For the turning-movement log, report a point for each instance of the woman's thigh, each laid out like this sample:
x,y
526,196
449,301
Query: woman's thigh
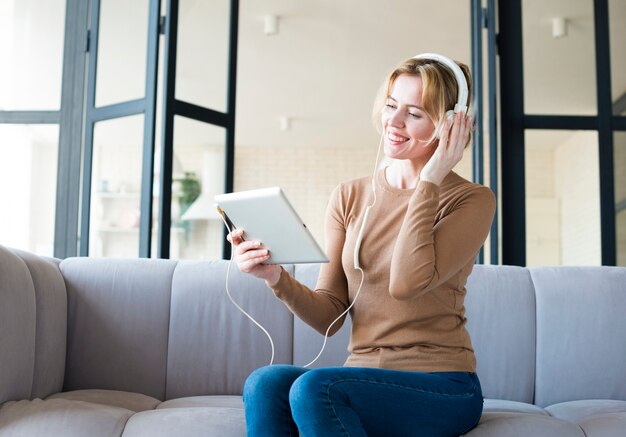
x,y
378,402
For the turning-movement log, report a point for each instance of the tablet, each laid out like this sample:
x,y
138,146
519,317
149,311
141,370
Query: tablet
x,y
266,215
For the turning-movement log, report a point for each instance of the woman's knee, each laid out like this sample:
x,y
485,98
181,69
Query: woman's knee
x,y
310,387
271,380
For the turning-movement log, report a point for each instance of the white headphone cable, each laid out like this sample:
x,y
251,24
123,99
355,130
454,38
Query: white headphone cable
x,y
356,266
357,247
230,263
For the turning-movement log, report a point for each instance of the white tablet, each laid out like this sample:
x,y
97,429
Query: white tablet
x,y
266,215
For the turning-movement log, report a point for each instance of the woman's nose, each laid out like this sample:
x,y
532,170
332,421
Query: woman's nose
x,y
396,119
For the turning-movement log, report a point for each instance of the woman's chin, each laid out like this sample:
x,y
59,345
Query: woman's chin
x,y
394,152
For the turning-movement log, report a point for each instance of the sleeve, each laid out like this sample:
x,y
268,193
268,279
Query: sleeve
x,y
426,253
319,308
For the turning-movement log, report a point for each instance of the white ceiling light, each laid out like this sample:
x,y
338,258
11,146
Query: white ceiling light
x,y
559,27
285,123
270,24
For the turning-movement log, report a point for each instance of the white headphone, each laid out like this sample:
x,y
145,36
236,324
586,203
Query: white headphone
x,y
461,104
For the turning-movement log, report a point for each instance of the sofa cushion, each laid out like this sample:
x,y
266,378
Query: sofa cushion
x,y
503,406
213,347
50,324
604,425
17,328
580,333
203,401
118,320
188,422
61,417
500,311
576,411
131,401
498,424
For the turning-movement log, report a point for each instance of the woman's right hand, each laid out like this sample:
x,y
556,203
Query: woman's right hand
x,y
249,256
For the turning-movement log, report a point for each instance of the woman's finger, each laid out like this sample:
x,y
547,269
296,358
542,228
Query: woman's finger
x,y
445,133
456,126
252,254
245,246
235,236
248,265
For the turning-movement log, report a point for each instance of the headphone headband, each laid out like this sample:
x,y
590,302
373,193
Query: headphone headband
x,y
461,104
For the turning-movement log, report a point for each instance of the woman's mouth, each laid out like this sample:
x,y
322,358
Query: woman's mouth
x,y
396,139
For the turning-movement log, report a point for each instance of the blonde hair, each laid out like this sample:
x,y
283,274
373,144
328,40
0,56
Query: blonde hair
x,y
439,93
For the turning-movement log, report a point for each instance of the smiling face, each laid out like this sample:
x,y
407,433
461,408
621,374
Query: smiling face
x,y
407,129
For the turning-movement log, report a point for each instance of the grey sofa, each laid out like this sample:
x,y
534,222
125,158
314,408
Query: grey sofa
x,y
136,347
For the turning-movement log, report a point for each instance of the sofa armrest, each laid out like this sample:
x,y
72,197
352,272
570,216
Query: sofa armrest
x,y
33,325
17,328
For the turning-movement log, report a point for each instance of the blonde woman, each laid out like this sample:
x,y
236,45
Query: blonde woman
x,y
411,371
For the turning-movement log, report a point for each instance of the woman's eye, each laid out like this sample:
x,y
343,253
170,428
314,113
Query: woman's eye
x,y
414,115
389,105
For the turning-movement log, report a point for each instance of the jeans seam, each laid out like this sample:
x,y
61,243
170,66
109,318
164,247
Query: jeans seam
x,y
332,406
391,384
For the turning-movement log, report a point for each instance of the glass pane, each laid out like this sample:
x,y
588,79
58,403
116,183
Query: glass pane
x,y
31,49
620,195
559,71
617,32
116,185
202,53
323,75
122,51
198,175
562,198
28,180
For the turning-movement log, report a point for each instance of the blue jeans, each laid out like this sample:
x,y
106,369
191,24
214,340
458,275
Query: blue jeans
x,y
283,400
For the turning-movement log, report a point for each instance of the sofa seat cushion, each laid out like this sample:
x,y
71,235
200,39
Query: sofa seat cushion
x,y
597,417
498,424
504,406
203,402
577,411
188,422
61,417
131,401
602,425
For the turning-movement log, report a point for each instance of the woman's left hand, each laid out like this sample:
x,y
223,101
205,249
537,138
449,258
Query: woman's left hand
x,y
450,149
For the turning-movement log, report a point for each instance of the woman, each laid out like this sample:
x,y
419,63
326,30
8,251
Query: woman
x,y
411,368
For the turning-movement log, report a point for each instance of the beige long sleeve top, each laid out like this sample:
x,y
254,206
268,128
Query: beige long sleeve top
x,y
418,250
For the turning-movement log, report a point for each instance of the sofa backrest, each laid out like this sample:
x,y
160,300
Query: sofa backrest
x,y
118,323
212,346
500,309
33,320
581,321
166,328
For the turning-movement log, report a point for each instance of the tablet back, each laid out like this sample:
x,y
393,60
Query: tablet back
x,y
266,215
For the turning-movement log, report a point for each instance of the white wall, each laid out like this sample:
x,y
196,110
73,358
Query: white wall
x,y
562,198
577,186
